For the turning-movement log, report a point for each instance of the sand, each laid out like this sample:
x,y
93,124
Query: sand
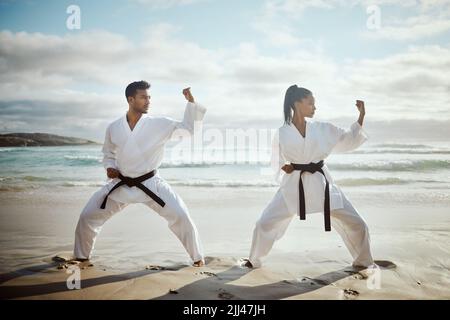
x,y
137,257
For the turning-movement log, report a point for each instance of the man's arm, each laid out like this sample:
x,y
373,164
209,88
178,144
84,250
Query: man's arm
x,y
109,156
194,112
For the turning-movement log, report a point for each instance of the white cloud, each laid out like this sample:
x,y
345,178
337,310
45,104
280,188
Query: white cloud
x,y
75,82
295,8
411,84
429,18
35,58
413,28
165,4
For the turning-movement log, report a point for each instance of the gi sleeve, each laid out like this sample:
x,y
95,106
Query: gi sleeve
x,y
193,112
277,160
109,151
348,140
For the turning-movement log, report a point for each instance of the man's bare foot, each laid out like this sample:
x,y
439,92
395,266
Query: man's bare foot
x,y
83,263
247,264
199,263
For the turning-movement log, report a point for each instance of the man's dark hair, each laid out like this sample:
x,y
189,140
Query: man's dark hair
x,y
131,89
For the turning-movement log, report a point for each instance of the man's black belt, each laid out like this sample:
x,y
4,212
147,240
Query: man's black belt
x,y
135,182
313,167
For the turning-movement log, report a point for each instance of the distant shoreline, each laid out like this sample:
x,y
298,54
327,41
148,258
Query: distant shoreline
x,y
40,140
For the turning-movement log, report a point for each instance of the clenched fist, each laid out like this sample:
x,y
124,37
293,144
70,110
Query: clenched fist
x,y
187,94
288,168
360,106
112,173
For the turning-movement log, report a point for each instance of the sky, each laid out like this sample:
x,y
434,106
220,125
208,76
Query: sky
x,y
239,57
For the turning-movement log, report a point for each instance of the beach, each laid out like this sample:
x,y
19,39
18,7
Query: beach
x,y
137,257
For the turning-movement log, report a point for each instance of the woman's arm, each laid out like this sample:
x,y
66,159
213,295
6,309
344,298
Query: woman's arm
x,y
278,161
348,140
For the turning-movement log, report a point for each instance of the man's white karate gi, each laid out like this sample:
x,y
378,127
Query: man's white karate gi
x,y
135,152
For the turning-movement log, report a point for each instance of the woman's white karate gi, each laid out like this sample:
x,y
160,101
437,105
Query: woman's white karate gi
x,y
289,146
134,153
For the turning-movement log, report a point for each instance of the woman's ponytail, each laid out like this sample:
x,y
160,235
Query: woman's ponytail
x,y
293,94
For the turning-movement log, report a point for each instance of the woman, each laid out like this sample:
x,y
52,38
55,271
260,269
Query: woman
x,y
306,186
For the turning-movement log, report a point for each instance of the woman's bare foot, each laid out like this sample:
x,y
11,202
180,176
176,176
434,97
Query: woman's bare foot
x,y
199,263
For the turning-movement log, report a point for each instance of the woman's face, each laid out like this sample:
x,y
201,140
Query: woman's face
x,y
306,106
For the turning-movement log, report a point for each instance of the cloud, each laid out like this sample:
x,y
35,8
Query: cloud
x,y
165,4
433,20
414,83
75,83
295,8
48,67
36,58
428,18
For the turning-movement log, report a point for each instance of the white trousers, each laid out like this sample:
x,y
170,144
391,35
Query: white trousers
x,y
275,219
93,218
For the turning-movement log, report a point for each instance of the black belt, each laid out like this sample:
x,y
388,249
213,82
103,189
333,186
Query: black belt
x,y
313,167
136,182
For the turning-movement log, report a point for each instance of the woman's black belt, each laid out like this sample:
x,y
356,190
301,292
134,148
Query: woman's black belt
x,y
313,167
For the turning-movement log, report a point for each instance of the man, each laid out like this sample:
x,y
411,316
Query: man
x,y
133,150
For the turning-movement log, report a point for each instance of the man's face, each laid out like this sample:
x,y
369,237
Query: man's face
x,y
141,101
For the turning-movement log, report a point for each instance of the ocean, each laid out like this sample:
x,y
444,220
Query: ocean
x,y
402,165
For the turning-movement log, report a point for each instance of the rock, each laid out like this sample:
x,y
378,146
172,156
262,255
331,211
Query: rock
x,y
39,139
206,273
154,268
225,295
350,293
